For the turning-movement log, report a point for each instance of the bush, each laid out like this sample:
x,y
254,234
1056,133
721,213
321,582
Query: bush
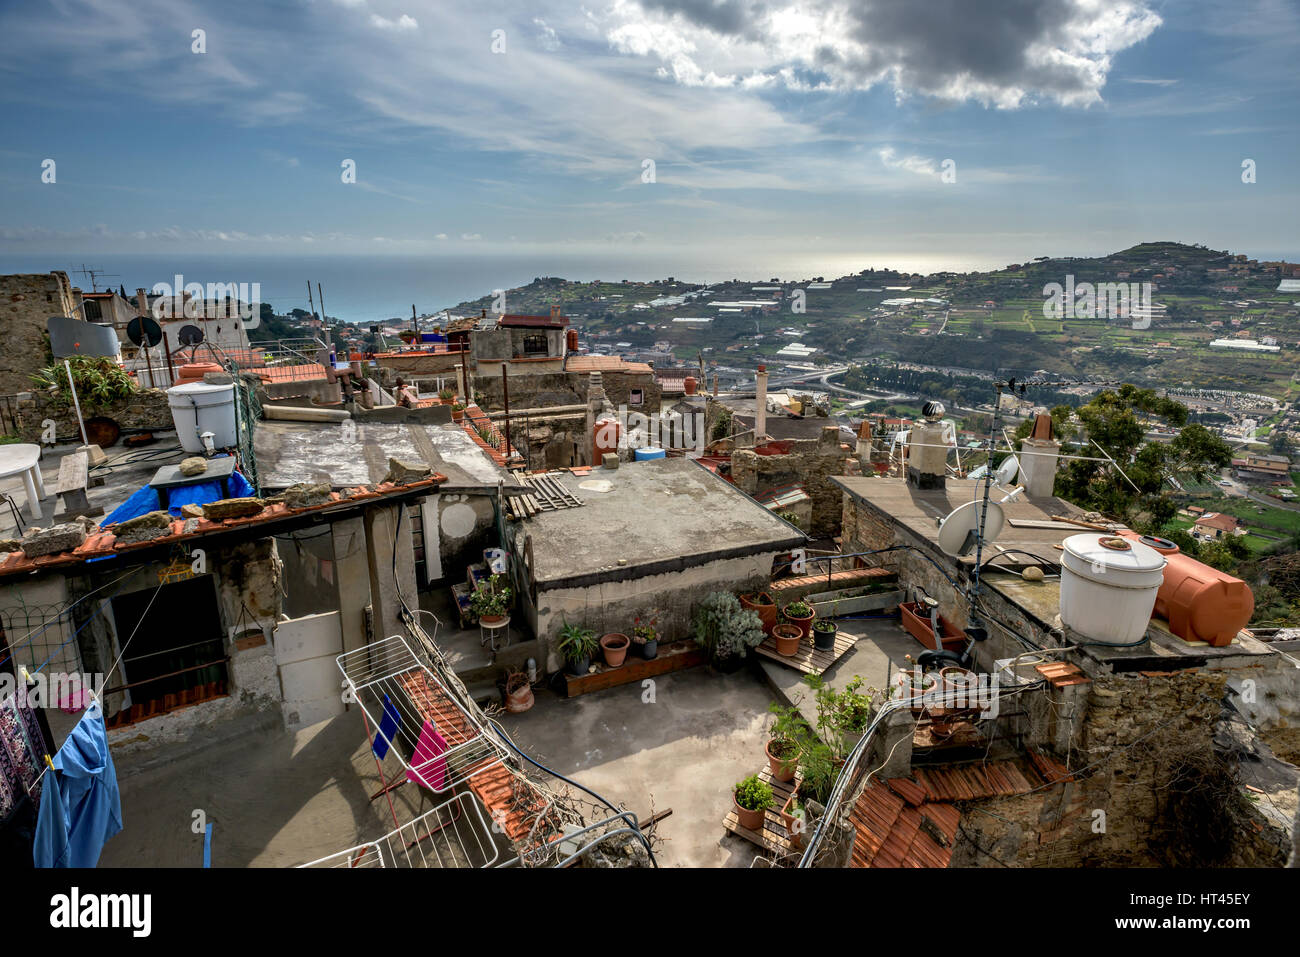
x,y
101,383
724,629
753,794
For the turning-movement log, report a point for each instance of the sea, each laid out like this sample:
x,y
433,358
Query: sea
x,y
372,288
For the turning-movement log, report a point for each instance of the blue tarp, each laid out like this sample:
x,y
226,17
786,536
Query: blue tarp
x,y
80,807
145,500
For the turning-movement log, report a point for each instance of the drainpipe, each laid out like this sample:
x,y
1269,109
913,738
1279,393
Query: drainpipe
x,y
760,406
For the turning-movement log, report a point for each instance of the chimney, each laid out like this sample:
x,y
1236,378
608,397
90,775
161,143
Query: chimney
x,y
927,454
760,405
1038,456
555,313
141,302
715,385
863,450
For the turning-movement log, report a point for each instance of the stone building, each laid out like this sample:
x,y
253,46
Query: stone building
x,y
26,302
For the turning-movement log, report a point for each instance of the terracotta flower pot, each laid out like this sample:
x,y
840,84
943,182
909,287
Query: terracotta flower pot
x,y
491,619
753,820
803,624
783,768
796,832
766,612
519,695
615,646
788,639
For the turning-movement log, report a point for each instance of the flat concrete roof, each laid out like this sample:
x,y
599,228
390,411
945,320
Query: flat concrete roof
x,y
290,452
659,516
784,426
919,511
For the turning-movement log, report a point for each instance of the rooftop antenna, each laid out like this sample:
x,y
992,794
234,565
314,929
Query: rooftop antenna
x,y
93,275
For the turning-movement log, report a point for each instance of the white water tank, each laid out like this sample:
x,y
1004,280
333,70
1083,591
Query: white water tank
x,y
199,407
1109,586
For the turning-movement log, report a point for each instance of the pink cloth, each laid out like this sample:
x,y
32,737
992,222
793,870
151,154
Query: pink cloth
x,y
429,769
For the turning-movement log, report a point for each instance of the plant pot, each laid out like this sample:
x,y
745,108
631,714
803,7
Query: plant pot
x,y
803,624
753,820
457,415
959,686
824,640
783,768
491,619
788,639
728,665
614,646
579,667
788,819
648,649
761,603
519,695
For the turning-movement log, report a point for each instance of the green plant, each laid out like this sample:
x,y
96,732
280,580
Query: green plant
x,y
576,642
817,765
724,629
643,629
491,597
457,407
447,395
792,518
841,715
787,724
823,624
798,609
753,794
101,383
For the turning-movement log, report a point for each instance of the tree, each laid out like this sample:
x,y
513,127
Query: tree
x,y
1111,420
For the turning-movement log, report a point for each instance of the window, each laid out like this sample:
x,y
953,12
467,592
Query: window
x,y
93,312
635,397
536,346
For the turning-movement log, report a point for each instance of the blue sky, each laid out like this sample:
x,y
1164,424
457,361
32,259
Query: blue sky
x,y
776,128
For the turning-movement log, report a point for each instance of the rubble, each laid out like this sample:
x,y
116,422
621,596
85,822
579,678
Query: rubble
x,y
232,508
53,540
404,473
305,494
143,528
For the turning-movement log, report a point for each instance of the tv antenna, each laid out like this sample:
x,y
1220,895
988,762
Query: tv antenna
x,y
94,275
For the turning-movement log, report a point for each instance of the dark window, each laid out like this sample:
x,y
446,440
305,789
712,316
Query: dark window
x,y
535,346
93,312
635,397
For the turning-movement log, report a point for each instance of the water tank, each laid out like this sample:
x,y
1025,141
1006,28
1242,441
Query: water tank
x,y
644,455
198,407
195,371
690,385
1199,602
571,340
606,437
1109,586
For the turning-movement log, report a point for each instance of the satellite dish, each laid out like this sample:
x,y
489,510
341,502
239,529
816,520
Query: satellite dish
x,y
1005,473
142,330
957,532
190,336
76,337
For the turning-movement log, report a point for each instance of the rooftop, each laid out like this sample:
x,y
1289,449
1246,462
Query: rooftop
x,y
590,363
633,530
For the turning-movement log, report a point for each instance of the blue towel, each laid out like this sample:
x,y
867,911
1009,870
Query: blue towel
x,y
81,807
387,728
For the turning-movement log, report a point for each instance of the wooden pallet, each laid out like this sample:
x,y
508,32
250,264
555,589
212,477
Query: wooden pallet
x,y
774,836
673,656
808,659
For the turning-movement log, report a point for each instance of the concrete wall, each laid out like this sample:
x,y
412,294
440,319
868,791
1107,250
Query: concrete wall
x,y
614,606
305,653
456,530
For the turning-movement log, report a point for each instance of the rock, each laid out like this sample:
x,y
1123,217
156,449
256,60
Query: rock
x,y
232,508
51,541
1032,574
143,528
305,494
194,465
191,511
191,524
404,473
10,545
609,460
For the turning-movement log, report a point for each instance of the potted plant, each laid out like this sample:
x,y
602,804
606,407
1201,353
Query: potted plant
x,y
801,615
823,633
577,645
762,603
782,746
519,693
788,638
795,818
646,637
726,631
457,412
817,769
752,798
446,395
491,600
842,716
614,645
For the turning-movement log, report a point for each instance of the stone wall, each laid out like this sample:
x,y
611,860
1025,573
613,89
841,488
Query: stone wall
x,y
146,410
568,388
26,301
810,462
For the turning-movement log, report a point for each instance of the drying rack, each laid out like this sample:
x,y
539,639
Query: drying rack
x,y
453,834
389,669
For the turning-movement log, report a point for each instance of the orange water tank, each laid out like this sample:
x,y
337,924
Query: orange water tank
x,y
605,439
194,372
571,337
690,385
1200,603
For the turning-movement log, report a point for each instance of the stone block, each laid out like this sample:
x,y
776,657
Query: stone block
x,y
143,528
403,473
53,540
194,465
305,494
609,460
232,508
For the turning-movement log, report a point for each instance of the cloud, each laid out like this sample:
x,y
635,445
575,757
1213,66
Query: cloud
x,y
1007,54
402,23
921,165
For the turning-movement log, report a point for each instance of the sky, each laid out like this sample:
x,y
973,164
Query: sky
x,y
957,131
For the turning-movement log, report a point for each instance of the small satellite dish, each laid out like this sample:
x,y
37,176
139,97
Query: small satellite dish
x,y
1005,473
190,336
142,330
957,532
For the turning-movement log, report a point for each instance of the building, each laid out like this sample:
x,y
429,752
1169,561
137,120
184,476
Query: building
x,y
1262,468
1214,525
26,302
